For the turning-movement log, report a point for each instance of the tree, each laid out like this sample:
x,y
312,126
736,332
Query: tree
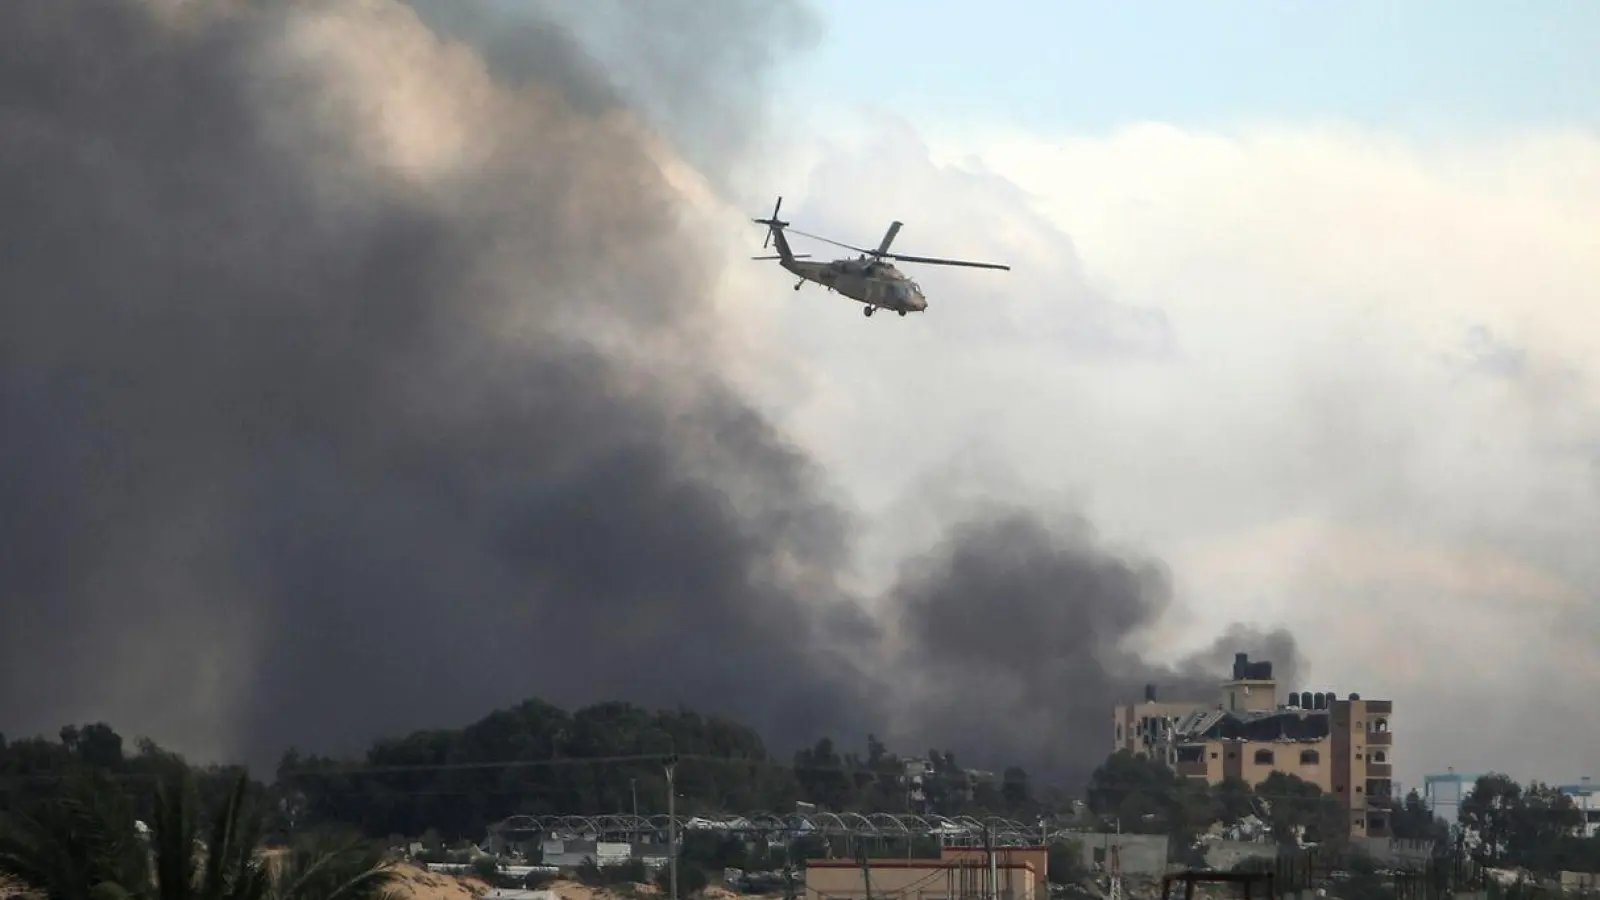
x,y
80,845
86,846
1142,794
1542,828
1014,788
1490,815
1414,821
1298,809
1235,800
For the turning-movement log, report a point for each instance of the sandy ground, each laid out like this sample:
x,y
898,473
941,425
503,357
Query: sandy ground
x,y
420,884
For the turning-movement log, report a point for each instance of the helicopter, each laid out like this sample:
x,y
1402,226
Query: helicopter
x,y
868,279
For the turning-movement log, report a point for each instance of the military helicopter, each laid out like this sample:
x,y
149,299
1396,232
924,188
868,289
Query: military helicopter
x,y
867,279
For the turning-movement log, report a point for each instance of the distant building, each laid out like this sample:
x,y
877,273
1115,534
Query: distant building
x,y
1443,793
1583,797
1342,746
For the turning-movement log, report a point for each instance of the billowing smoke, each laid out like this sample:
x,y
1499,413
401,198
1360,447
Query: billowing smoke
x,y
350,383
1021,630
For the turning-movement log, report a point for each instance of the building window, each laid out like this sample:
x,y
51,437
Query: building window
x,y
1232,754
1310,757
1380,725
1378,756
1119,732
1191,754
1213,754
1263,757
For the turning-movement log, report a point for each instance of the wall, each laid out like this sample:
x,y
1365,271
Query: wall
x,y
1224,855
1037,857
1285,758
1254,695
914,879
1125,721
1357,733
1142,854
571,854
1395,852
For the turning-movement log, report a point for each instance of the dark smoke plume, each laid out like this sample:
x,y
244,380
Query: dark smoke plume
x,y
346,389
1020,633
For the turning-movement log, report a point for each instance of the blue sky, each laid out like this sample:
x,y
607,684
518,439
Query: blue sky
x,y
1413,66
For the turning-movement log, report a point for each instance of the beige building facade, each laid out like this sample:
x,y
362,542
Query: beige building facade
x,y
1343,746
919,879
1037,858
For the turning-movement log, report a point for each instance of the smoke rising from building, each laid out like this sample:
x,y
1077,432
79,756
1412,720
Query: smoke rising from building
x,y
345,389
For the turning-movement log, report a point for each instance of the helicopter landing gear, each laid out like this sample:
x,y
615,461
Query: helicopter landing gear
x,y
902,313
868,311
797,284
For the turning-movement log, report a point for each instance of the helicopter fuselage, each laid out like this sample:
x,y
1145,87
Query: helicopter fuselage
x,y
874,284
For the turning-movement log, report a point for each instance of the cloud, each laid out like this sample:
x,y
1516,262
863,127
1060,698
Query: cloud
x,y
1374,419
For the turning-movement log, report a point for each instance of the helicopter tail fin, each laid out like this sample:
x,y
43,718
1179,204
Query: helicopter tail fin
x,y
775,235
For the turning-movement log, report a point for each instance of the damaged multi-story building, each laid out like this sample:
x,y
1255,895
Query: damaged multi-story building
x,y
1343,746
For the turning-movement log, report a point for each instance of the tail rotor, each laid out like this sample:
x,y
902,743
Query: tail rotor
x,y
773,224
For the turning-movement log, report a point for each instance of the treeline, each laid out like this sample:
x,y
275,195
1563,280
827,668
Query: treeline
x,y
538,759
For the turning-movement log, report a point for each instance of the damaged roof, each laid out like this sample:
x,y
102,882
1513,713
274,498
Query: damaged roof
x,y
1276,725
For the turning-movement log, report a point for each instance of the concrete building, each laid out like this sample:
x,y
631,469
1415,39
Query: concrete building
x,y
1583,797
1444,792
1342,746
1137,854
919,879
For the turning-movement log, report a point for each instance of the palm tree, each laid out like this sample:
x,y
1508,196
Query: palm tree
x,y
86,846
81,845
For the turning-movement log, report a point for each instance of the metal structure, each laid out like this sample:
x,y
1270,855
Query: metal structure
x,y
949,830
1253,885
869,279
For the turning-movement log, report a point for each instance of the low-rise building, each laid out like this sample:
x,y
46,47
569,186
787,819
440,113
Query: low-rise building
x,y
919,879
1443,793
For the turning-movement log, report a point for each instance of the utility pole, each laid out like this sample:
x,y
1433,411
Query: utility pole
x,y
1116,864
672,824
633,788
994,869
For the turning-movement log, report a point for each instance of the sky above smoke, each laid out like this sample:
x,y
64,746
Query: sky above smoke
x,y
363,370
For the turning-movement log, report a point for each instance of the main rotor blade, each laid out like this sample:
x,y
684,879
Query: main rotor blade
x,y
888,237
818,237
936,261
928,260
